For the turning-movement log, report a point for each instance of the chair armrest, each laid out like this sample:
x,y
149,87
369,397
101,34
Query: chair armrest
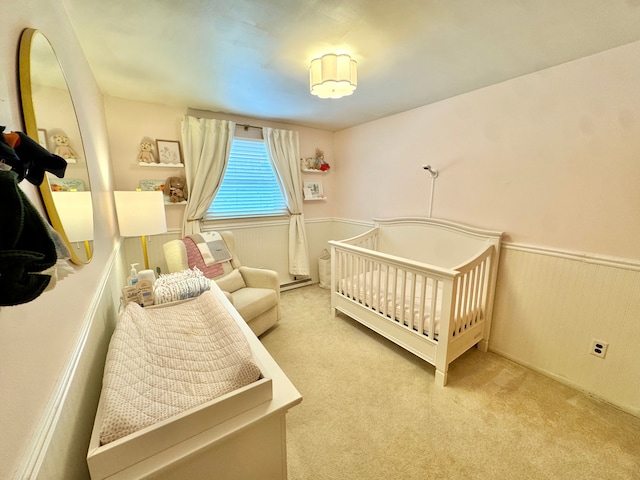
x,y
260,278
229,296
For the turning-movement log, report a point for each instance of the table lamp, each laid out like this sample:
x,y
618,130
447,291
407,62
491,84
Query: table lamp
x,y
141,214
76,215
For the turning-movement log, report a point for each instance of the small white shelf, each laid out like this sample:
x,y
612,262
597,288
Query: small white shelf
x,y
311,170
175,203
170,165
314,199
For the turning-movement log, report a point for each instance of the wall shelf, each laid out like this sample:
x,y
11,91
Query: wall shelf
x,y
311,170
169,165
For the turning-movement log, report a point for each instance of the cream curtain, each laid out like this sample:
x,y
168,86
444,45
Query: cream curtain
x,y
207,143
282,147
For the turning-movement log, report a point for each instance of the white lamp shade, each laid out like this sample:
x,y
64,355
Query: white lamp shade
x,y
333,76
76,214
140,213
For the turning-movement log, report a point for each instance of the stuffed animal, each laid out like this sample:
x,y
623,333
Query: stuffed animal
x,y
63,149
176,188
146,153
320,163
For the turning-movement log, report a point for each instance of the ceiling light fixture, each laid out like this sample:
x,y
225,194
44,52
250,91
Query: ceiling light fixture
x,y
333,76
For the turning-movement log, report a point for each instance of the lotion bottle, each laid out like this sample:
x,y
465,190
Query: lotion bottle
x,y
132,279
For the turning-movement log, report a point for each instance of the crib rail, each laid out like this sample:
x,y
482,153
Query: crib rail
x,y
368,239
424,299
472,291
410,293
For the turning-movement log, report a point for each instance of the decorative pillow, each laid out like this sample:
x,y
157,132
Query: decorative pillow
x,y
171,287
231,282
194,258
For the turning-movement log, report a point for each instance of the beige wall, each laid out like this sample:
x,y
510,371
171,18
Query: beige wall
x,y
552,160
130,121
37,339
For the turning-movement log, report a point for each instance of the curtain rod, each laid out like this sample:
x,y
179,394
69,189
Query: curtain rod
x,y
247,126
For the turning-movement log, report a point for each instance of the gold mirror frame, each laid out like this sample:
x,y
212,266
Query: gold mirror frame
x,y
34,63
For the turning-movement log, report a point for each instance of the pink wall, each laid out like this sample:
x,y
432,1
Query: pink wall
x,y
549,158
129,121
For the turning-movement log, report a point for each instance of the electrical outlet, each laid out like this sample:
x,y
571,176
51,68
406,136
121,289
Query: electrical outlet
x,y
599,348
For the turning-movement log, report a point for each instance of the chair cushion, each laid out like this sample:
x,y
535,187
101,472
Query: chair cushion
x,y
231,282
251,302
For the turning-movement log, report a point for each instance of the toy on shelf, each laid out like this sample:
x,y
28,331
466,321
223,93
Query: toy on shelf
x,y
63,149
176,189
146,153
316,164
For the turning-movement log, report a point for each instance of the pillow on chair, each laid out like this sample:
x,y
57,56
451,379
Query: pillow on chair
x,y
231,282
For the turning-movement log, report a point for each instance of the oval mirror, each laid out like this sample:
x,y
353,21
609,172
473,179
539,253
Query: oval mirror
x,y
50,119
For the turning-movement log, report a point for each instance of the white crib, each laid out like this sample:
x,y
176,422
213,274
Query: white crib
x,y
426,284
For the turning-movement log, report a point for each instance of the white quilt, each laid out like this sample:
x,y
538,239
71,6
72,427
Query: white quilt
x,y
163,361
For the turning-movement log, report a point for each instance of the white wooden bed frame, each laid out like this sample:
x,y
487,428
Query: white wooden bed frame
x,y
457,261
240,435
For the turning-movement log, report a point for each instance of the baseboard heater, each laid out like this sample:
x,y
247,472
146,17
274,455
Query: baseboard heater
x,y
299,282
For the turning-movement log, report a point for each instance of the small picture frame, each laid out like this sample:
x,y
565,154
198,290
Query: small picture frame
x,y
313,190
154,186
169,152
66,184
42,138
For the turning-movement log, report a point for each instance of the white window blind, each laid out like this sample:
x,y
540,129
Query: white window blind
x,y
249,187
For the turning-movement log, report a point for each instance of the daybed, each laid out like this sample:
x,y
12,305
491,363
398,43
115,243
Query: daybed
x,y
173,407
254,292
426,284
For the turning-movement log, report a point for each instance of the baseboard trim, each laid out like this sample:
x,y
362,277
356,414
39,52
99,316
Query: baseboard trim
x,y
304,282
565,381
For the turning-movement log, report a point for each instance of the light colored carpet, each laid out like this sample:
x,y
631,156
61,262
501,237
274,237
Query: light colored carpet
x,y
370,410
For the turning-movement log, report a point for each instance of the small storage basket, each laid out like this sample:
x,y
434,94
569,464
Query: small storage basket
x,y
324,269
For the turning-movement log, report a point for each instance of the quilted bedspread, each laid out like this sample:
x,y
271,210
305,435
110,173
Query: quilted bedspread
x,y
163,361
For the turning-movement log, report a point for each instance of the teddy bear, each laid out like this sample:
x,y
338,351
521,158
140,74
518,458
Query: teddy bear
x,y
63,149
146,153
176,189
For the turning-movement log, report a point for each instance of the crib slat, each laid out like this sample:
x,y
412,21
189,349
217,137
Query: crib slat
x,y
423,294
411,304
435,288
376,301
403,289
385,292
468,294
483,285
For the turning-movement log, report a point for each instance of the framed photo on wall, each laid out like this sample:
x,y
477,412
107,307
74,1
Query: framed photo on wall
x,y
312,190
169,152
42,138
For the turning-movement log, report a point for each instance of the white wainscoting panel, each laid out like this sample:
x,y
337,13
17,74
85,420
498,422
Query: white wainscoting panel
x,y
59,446
549,308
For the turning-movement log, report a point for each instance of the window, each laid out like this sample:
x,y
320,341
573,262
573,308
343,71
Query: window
x,y
249,187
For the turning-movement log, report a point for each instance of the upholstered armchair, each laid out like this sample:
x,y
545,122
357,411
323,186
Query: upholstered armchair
x,y
254,292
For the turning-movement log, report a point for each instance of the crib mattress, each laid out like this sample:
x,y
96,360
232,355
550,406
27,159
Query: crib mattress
x,y
163,361
375,291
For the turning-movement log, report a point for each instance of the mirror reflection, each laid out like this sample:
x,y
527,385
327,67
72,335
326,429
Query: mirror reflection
x,y
50,119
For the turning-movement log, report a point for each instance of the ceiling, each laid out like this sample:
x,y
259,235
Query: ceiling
x,y
251,57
